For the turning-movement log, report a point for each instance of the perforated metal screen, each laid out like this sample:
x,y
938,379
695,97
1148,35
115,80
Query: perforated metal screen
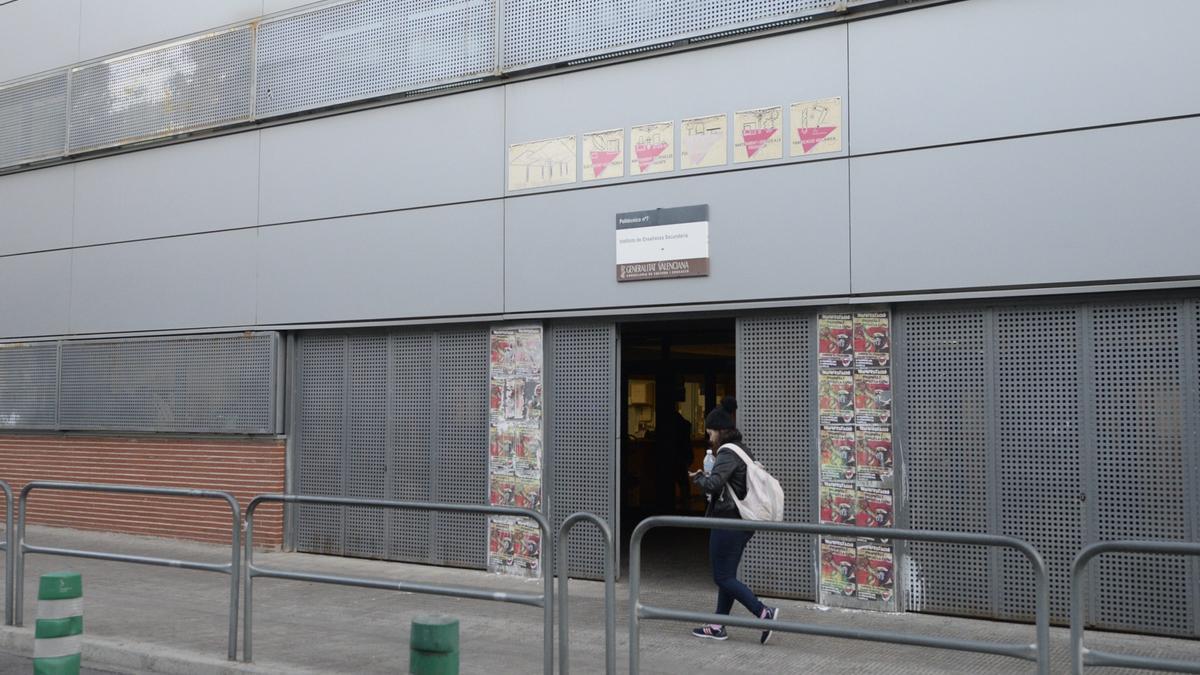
x,y
552,31
582,436
204,384
399,415
194,84
367,48
1061,424
29,386
33,119
776,385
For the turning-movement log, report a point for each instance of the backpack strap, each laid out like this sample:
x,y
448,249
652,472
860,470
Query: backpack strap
x,y
738,451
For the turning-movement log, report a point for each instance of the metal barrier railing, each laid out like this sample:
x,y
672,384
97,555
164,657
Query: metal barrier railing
x,y
1081,656
610,593
233,568
8,555
1038,652
545,600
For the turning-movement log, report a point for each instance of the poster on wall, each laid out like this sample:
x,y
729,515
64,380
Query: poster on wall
x,y
875,571
835,340
757,134
604,154
839,565
704,141
839,454
515,447
816,126
653,148
857,463
872,340
543,163
836,396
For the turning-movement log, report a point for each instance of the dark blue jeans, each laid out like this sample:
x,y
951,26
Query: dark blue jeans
x,y
725,549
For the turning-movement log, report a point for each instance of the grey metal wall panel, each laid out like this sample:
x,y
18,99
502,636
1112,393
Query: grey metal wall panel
x,y
776,389
183,282
946,398
1083,206
110,26
321,429
42,305
376,266
582,412
37,36
1141,461
354,50
195,83
989,68
421,153
753,74
180,189
33,119
1039,411
549,31
36,210
29,385
273,6
202,384
779,231
462,439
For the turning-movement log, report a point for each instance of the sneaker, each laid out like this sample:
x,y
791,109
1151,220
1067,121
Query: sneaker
x,y
711,632
771,613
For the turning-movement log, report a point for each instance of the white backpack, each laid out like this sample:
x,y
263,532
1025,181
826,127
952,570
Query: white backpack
x,y
764,495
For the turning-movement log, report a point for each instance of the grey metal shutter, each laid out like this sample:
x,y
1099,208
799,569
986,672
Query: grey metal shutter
x,y
1141,471
1062,424
1039,418
581,430
400,415
776,389
321,429
461,414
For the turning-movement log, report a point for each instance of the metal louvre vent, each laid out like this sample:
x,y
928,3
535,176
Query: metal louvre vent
x,y
400,415
946,452
1141,477
582,400
462,452
776,385
198,83
367,48
210,384
552,31
1039,418
29,386
33,119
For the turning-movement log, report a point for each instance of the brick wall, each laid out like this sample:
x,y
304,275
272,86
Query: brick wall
x,y
242,467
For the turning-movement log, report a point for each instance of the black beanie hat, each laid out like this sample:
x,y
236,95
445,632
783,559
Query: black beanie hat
x,y
721,417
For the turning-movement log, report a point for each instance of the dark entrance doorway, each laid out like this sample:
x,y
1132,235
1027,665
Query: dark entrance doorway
x,y
672,373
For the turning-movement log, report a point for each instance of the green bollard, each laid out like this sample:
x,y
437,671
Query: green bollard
x,y
433,646
58,634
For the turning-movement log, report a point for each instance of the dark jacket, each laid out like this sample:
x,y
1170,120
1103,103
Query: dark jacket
x,y
729,473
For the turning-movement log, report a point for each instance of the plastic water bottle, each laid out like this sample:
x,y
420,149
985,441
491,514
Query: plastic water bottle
x,y
709,460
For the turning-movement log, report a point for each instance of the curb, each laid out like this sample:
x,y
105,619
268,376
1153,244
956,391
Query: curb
x,y
134,657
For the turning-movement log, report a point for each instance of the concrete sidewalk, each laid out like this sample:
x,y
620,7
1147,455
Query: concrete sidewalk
x,y
153,619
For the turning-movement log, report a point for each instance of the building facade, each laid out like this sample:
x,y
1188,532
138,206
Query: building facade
x,y
260,246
